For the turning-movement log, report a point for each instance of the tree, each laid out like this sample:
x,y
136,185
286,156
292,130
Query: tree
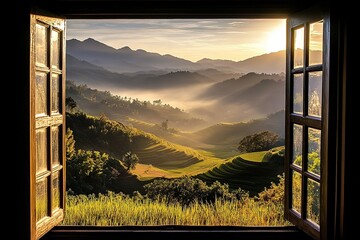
x,y
130,160
70,104
260,142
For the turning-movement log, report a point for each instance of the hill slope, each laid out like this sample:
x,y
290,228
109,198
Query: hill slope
x,y
114,138
251,172
84,72
95,102
232,133
233,85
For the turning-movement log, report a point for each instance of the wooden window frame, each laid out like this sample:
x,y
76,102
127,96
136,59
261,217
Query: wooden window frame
x,y
303,120
48,121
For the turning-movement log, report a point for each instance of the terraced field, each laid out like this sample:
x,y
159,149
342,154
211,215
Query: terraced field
x,y
166,155
251,171
171,159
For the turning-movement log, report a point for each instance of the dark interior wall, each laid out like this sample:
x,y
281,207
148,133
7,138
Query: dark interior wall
x,y
173,8
16,169
350,172
17,188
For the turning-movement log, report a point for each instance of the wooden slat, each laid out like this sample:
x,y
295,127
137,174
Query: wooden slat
x,y
312,122
49,121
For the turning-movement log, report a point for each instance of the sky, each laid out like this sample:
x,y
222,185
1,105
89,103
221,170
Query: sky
x,y
191,39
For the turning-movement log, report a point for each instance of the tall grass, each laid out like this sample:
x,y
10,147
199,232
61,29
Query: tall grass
x,y
120,210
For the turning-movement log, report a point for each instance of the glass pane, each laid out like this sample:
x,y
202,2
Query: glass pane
x,y
55,146
297,144
315,93
55,87
41,94
41,199
313,201
56,191
296,192
41,150
314,159
298,93
316,43
55,49
41,44
299,48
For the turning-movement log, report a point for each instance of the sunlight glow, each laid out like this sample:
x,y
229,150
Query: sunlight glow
x,y
276,39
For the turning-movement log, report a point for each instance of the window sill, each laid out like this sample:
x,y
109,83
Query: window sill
x,y
166,232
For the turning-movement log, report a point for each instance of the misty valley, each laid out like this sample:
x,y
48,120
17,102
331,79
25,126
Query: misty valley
x,y
159,140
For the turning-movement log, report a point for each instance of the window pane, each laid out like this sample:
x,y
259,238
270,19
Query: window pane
x,y
314,146
41,44
296,192
55,88
41,150
313,201
41,199
299,47
55,49
297,144
56,191
315,93
298,93
41,94
55,146
316,43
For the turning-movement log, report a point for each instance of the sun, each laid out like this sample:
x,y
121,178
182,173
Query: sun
x,y
276,39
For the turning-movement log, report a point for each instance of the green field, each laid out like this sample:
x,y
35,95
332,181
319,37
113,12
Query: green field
x,y
254,156
173,160
250,171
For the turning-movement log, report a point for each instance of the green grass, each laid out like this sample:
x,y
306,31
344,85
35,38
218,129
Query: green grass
x,y
119,210
247,171
254,156
174,159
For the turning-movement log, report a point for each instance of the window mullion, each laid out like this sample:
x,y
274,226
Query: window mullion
x,y
303,173
50,158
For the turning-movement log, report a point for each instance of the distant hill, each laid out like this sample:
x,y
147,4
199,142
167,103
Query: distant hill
x,y
173,79
127,60
267,63
124,59
217,75
84,72
232,133
251,96
265,97
121,108
230,86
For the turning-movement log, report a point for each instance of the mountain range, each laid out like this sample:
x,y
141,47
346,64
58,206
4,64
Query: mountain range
x,y
212,90
88,73
126,60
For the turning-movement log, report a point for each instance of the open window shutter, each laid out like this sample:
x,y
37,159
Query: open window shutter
x,y
311,123
47,119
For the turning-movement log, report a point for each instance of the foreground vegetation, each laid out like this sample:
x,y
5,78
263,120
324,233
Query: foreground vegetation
x,y
194,187
123,210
